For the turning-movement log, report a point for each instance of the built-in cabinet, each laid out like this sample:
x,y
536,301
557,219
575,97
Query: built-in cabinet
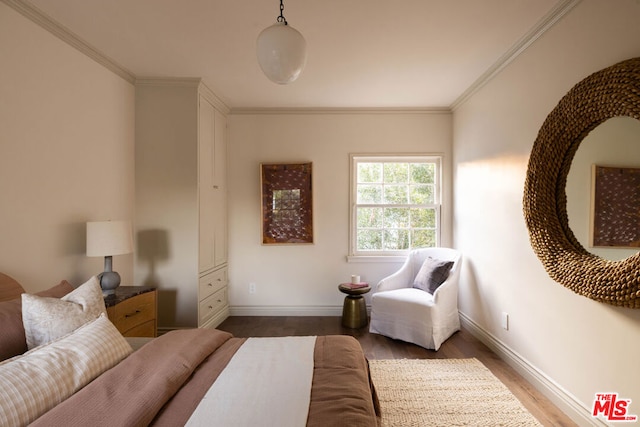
x,y
213,305
181,200
212,186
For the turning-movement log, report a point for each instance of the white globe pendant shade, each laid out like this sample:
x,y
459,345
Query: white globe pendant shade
x,y
282,53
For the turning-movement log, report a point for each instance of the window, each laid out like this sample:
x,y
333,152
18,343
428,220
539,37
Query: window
x,y
395,204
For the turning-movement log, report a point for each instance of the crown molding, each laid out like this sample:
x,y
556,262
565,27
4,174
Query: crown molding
x,y
542,26
561,8
45,21
213,98
328,110
168,81
194,82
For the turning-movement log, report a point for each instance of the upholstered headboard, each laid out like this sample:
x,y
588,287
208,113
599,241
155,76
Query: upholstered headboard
x,y
9,288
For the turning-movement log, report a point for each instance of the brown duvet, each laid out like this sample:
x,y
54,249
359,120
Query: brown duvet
x,y
162,383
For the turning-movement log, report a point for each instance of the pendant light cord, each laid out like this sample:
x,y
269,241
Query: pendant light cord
x,y
281,18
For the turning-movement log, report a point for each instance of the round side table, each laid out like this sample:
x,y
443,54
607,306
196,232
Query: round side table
x,y
354,310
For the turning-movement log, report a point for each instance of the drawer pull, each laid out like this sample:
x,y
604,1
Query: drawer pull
x,y
219,279
210,308
209,284
133,314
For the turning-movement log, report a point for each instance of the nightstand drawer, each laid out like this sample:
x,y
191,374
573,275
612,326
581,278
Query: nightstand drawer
x,y
212,305
135,316
146,329
212,282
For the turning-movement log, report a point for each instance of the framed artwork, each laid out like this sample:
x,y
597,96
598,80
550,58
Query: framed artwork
x,y
287,203
615,205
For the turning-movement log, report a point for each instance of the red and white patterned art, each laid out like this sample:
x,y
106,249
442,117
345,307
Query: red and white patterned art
x,y
616,207
287,213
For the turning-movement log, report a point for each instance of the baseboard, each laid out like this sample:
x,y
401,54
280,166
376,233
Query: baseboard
x,y
560,397
275,310
323,310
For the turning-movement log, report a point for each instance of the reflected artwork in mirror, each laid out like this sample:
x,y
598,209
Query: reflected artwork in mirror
x,y
612,92
615,214
614,143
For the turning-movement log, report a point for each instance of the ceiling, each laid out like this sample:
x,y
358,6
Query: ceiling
x,y
361,53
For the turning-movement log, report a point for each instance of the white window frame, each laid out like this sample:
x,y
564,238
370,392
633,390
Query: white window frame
x,y
394,255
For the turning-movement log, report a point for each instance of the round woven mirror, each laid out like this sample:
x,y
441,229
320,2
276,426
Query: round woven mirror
x,y
612,92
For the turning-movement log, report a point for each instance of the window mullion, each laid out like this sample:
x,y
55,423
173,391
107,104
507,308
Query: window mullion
x,y
413,187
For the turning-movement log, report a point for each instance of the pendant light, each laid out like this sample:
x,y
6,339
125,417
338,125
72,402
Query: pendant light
x,y
282,51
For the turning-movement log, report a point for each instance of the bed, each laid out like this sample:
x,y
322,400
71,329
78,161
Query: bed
x,y
185,377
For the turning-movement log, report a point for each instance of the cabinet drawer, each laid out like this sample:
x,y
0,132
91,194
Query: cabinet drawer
x,y
212,282
146,329
211,305
134,312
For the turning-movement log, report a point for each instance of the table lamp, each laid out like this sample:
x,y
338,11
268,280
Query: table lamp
x,y
108,238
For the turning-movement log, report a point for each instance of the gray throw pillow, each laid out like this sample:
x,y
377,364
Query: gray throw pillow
x,y
432,274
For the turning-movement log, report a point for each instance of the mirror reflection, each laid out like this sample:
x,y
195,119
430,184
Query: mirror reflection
x,y
616,142
287,208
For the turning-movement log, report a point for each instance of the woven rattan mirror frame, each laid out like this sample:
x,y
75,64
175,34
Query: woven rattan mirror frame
x,y
612,92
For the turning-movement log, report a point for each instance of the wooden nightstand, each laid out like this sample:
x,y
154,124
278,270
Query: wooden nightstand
x,y
133,310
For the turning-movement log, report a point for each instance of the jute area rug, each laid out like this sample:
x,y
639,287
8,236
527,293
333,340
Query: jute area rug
x,y
445,392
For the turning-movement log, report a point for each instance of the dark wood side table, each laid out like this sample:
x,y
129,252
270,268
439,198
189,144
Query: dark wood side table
x,y
354,310
132,309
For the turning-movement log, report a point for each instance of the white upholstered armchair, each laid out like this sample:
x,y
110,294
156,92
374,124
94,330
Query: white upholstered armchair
x,y
400,311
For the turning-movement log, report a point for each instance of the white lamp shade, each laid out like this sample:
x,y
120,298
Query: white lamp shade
x,y
107,238
282,53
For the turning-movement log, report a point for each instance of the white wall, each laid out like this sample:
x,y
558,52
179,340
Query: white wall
x,y
303,279
581,345
167,198
66,155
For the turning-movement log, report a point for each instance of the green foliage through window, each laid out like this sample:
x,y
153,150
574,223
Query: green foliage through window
x,y
397,203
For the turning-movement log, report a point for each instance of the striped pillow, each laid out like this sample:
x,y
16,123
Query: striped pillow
x,y
33,383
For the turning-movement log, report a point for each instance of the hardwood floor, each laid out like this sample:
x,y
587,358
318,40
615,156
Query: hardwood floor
x,y
461,345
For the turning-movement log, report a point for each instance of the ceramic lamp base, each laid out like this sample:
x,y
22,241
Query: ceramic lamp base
x,y
109,280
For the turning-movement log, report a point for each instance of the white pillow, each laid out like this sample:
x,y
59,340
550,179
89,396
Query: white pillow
x,y
36,381
46,319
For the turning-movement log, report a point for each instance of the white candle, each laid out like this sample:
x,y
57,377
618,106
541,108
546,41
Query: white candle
x,y
355,278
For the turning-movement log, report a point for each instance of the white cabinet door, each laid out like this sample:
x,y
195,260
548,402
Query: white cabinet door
x,y
206,143
207,232
220,152
206,187
220,227
220,189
